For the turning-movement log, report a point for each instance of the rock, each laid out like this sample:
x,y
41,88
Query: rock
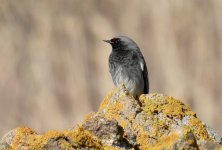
x,y
154,121
214,135
108,131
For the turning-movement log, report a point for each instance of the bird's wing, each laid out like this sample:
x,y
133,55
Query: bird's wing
x,y
145,73
146,80
112,68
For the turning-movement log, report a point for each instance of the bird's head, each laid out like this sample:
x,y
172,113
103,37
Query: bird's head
x,y
121,43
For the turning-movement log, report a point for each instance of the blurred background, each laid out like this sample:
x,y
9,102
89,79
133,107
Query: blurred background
x,y
54,65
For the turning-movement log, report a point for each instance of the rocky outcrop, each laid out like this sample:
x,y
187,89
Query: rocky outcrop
x,y
154,121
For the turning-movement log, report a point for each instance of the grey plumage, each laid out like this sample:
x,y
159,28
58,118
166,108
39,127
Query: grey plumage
x,y
127,65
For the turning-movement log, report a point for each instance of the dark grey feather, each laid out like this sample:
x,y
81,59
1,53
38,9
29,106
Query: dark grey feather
x,y
127,65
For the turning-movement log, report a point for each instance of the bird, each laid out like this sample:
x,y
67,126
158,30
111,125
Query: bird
x,y
127,65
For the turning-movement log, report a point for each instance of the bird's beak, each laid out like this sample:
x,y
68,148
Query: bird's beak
x,y
107,41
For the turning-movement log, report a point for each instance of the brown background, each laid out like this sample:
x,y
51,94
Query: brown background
x,y
53,63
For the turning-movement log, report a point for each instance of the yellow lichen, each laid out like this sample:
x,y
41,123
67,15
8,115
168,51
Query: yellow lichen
x,y
172,109
169,106
199,129
164,142
187,138
159,127
110,148
106,100
123,123
21,135
88,117
146,142
142,140
84,138
112,110
65,145
52,134
150,127
39,141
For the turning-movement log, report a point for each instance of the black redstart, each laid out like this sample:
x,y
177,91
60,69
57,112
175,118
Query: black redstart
x,y
127,65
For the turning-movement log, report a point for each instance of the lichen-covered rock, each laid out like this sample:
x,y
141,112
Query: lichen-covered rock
x,y
108,131
25,138
154,121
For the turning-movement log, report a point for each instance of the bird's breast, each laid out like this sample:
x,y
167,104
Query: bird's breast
x,y
126,69
131,77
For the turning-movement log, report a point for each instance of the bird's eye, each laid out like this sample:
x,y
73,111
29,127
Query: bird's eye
x,y
118,40
115,40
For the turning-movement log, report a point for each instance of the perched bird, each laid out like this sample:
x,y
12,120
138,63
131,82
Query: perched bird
x,y
127,65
